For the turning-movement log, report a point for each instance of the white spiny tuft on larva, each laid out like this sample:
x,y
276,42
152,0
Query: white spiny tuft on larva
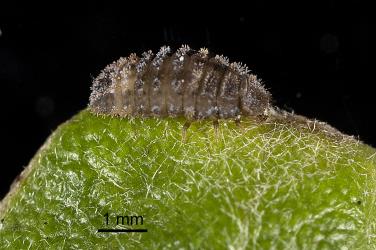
x,y
146,57
241,68
183,50
203,52
161,55
179,58
184,82
222,59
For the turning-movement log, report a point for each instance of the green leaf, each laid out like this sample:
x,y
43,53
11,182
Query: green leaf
x,y
260,185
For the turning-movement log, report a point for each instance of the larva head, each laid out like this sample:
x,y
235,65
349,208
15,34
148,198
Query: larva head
x,y
103,98
102,94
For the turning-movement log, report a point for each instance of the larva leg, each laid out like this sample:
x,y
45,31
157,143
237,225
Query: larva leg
x,y
216,127
237,121
238,125
263,117
184,130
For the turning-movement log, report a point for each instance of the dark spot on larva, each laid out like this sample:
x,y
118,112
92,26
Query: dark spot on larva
x,y
184,82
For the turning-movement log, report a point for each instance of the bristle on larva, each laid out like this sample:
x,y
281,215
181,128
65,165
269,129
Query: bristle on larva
x,y
184,82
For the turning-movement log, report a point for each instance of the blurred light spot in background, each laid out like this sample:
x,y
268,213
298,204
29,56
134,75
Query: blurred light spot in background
x,y
44,106
1,32
329,43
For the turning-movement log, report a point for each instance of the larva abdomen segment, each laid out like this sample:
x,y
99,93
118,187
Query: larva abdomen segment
x,y
192,84
142,84
182,83
228,98
206,102
176,84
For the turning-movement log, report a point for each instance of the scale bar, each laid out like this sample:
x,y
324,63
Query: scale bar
x,y
113,230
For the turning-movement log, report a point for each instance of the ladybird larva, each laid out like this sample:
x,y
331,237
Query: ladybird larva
x,y
186,83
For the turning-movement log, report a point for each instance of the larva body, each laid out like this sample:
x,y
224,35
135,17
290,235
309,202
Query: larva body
x,y
182,83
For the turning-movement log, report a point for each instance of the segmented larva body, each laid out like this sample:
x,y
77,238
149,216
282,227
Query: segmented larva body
x,y
182,83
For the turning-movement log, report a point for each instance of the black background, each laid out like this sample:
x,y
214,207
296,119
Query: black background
x,y
315,60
